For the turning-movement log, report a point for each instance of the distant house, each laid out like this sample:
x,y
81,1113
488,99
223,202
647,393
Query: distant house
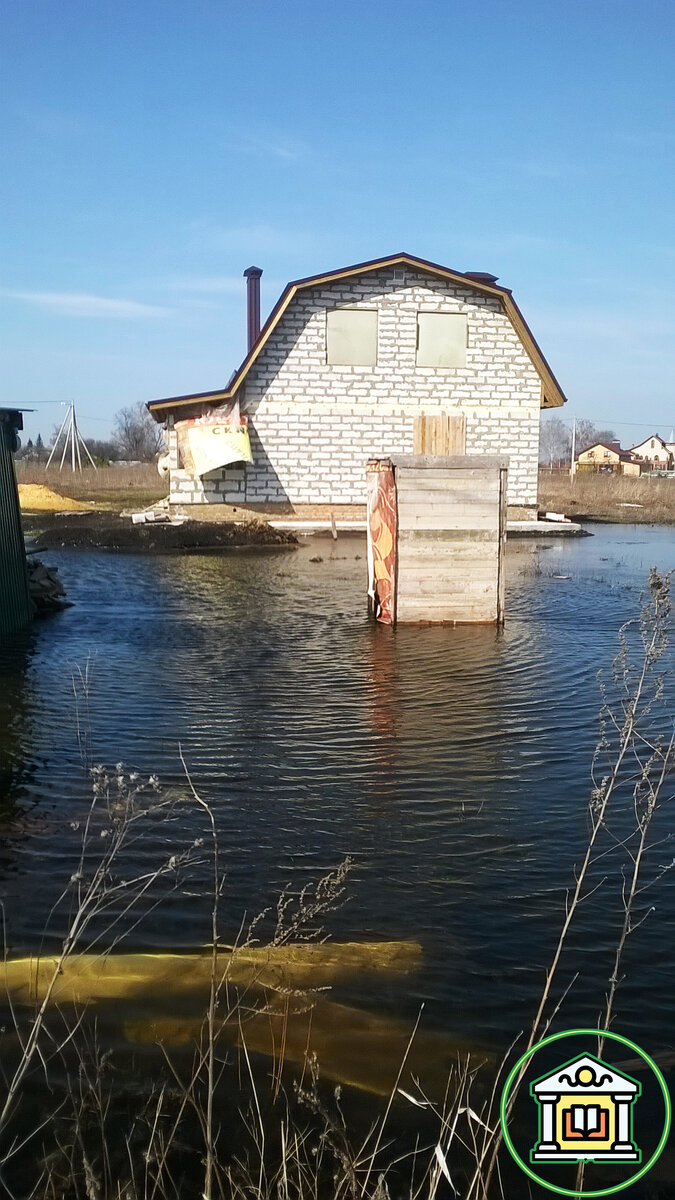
x,y
392,356
608,456
655,451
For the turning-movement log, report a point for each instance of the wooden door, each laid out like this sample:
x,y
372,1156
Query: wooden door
x,y
444,433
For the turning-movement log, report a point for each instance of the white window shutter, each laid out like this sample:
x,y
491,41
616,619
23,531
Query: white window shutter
x,y
441,339
351,337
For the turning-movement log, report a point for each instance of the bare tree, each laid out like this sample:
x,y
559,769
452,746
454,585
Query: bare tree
x,y
137,434
555,438
588,434
555,442
103,450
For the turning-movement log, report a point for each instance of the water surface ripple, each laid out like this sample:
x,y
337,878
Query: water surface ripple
x,y
452,765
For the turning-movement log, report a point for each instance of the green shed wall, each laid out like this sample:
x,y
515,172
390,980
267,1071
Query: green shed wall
x,y
15,605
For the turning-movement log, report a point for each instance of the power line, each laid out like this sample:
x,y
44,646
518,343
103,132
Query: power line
x,y
73,438
101,420
609,421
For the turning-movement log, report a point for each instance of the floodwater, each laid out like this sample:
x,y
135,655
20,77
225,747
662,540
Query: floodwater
x,y
451,765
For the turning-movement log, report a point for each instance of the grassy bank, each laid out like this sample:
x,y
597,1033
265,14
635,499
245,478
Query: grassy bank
x,y
108,487
591,497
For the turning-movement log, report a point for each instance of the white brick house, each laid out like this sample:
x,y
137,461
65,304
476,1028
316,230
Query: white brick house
x,y
324,390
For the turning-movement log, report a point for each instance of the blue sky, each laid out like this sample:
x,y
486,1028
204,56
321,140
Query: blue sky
x,y
152,150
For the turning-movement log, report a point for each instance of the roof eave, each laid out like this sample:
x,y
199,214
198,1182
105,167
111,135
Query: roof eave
x,y
552,395
156,407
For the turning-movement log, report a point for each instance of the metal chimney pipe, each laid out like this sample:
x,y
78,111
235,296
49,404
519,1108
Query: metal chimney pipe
x,y
252,277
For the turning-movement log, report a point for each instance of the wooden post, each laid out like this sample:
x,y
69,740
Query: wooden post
x,y
574,448
443,526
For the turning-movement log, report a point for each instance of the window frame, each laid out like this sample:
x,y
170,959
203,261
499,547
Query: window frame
x,y
463,344
351,309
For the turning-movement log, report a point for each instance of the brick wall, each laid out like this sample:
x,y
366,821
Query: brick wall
x,y
313,426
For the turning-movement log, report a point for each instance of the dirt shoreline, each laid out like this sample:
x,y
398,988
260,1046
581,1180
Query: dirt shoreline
x,y
109,531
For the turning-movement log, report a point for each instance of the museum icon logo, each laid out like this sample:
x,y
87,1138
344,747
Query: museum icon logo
x,y
585,1114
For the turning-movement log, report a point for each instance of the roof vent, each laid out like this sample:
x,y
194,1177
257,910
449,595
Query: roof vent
x,y
482,277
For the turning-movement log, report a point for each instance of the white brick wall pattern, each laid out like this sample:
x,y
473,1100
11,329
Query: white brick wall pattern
x,y
314,426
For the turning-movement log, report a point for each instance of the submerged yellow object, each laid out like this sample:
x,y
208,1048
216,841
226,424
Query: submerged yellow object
x,y
86,977
351,1046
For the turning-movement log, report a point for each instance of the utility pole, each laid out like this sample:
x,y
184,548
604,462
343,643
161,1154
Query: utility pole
x,y
71,438
574,448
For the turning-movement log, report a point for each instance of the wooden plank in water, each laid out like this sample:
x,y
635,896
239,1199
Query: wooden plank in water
x,y
465,595
431,479
443,519
437,543
424,613
451,529
454,462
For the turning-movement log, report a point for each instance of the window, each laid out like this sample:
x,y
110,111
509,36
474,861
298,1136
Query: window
x,y
351,337
441,339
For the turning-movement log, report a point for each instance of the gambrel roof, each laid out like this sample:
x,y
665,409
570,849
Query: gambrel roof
x,y
551,393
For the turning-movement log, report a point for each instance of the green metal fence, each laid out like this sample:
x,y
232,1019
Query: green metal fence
x,y
15,605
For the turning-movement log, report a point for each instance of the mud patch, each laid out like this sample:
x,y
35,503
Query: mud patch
x,y
109,531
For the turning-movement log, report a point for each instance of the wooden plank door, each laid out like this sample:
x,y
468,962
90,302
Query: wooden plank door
x,y
442,433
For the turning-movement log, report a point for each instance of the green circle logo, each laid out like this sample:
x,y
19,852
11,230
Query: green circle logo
x,y
585,1113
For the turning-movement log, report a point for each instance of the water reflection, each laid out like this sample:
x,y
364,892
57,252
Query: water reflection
x,y
453,765
351,1046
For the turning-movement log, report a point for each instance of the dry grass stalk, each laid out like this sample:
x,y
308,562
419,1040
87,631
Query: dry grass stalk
x,y
632,755
607,497
283,1155
115,486
97,904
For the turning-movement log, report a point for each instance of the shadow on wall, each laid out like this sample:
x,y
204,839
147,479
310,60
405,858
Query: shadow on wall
x,y
250,483
277,351
258,483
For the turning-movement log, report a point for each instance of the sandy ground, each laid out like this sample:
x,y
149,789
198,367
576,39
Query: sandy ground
x,y
36,497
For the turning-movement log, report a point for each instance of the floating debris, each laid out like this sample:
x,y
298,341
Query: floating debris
x,y
161,513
